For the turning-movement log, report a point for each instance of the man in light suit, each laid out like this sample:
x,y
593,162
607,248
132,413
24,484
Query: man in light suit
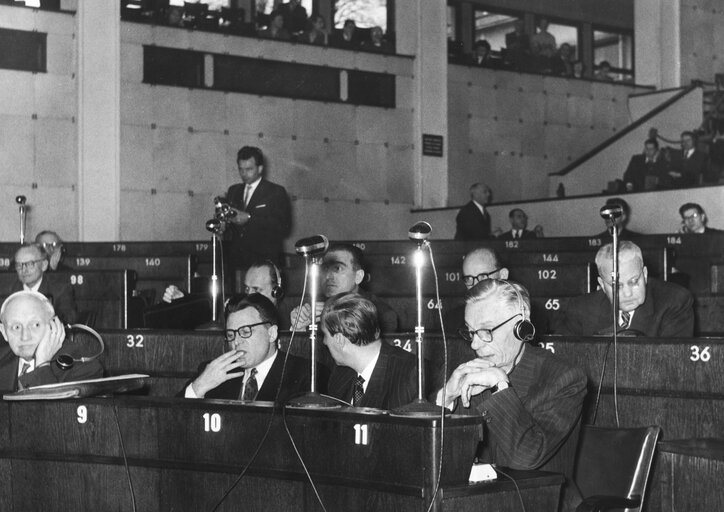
x,y
369,372
472,221
530,399
646,305
252,368
261,218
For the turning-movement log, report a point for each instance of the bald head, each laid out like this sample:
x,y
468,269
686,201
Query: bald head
x,y
25,318
480,264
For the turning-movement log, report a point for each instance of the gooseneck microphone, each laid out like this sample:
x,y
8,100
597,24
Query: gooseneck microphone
x,y
23,208
420,232
315,245
610,212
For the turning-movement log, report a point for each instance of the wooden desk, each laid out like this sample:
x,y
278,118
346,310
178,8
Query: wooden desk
x,y
183,454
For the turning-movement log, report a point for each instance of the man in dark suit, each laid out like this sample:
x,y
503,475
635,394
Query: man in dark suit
x,y
530,400
472,221
261,216
690,166
253,368
31,263
34,336
370,372
646,171
646,305
53,246
519,224
693,220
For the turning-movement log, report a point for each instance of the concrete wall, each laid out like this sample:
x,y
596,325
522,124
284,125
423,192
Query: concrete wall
x,y
592,176
512,129
702,39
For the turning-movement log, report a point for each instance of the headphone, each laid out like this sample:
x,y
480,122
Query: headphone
x,y
277,290
523,330
65,361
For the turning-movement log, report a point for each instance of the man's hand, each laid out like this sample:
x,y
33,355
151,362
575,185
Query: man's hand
x,y
172,293
470,379
216,373
305,316
240,218
51,342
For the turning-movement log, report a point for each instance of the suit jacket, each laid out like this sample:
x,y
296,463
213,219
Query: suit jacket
x,y
526,235
49,374
624,235
60,295
638,170
471,224
692,169
667,312
296,380
526,424
393,382
261,238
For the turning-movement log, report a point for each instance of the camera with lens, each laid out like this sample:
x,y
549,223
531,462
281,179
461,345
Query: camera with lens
x,y
223,210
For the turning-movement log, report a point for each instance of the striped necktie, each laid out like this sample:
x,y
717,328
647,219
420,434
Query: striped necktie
x,y
358,391
625,319
251,388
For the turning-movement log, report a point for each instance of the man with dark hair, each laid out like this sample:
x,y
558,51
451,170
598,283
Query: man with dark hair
x,y
620,223
519,227
693,220
261,216
646,171
472,221
369,372
646,305
31,263
295,17
343,271
53,246
251,336
530,399
689,166
34,336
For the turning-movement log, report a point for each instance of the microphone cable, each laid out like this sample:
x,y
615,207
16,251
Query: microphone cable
x,y
123,452
517,489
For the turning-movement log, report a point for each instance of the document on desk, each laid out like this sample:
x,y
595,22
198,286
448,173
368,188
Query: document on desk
x,y
81,388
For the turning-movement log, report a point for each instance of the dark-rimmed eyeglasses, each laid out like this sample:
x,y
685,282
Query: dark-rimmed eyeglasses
x,y
485,335
471,280
22,265
242,332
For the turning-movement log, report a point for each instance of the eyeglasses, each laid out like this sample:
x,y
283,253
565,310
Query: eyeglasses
x,y
634,282
243,332
27,264
485,335
51,246
471,280
692,216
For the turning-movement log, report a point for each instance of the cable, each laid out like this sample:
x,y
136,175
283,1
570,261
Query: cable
x,y
271,418
517,489
600,382
444,381
125,456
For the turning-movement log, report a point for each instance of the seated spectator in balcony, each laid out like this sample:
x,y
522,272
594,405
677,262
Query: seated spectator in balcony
x,y
517,46
693,220
519,227
472,221
620,223
716,153
377,42
295,17
347,38
175,16
687,166
315,33
646,305
54,248
646,171
579,69
543,47
562,63
482,57
275,29
603,72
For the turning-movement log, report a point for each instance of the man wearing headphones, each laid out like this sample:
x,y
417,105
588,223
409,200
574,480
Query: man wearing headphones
x,y
34,337
530,400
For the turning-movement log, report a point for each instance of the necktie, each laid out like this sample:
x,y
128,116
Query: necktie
x,y
247,195
516,234
625,319
23,370
358,390
251,388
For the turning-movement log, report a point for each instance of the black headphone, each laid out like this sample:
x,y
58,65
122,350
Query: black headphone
x,y
276,275
523,330
66,361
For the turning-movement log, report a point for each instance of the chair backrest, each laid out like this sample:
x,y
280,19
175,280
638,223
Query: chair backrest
x,y
615,461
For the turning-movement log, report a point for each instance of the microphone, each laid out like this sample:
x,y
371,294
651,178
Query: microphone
x,y
419,232
20,200
312,246
213,225
610,212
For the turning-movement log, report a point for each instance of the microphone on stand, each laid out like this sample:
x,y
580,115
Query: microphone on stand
x,y
23,208
312,246
420,232
611,211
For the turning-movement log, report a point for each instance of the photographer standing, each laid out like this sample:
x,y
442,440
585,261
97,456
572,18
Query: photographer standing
x,y
259,217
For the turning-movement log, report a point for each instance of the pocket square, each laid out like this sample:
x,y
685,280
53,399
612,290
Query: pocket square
x,y
260,206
